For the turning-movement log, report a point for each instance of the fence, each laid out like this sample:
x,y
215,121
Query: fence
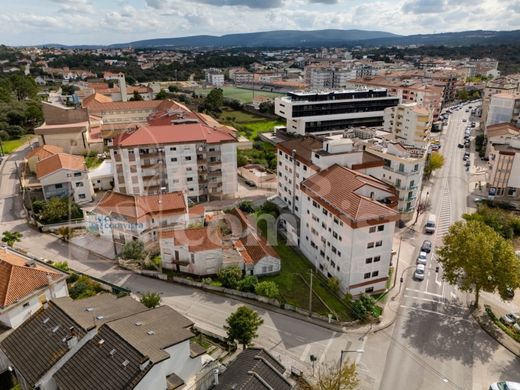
x,y
73,223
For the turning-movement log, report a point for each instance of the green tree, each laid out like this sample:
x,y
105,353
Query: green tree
x,y
151,299
333,284
230,276
58,210
435,161
173,88
10,238
476,258
267,289
133,250
242,326
363,307
214,101
63,265
23,87
136,97
248,284
333,377
161,95
246,206
65,233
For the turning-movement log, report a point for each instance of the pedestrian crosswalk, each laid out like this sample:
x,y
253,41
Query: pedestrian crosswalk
x,y
444,214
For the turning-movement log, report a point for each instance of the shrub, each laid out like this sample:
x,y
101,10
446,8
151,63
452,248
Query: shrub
x,y
133,250
270,208
248,284
333,284
206,280
230,276
151,299
72,278
267,289
63,265
84,287
364,307
246,206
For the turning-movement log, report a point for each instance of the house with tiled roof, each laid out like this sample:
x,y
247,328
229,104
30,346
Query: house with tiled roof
x,y
64,175
25,286
347,227
40,153
254,368
125,218
190,157
54,333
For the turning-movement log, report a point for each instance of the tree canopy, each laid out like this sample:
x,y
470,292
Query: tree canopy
x,y
435,161
476,258
242,325
10,238
151,299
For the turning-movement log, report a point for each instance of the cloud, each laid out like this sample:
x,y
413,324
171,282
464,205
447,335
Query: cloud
x,y
323,1
257,4
424,6
75,6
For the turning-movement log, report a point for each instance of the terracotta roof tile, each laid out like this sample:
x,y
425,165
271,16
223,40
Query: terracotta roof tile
x,y
341,188
97,106
18,279
196,239
60,161
44,151
136,206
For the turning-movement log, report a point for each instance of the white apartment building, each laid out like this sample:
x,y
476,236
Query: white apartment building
x,y
347,227
409,123
389,161
504,108
241,76
328,111
215,77
192,157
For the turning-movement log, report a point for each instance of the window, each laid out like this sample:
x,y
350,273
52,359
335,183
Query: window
x,y
369,289
77,174
26,304
377,258
305,167
173,148
334,250
322,254
189,179
379,243
173,159
334,234
372,229
187,158
339,253
192,258
380,228
79,184
370,245
325,212
82,196
279,152
333,264
368,260
375,273
366,276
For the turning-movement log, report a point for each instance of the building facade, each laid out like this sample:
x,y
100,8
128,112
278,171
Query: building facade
x,y
409,123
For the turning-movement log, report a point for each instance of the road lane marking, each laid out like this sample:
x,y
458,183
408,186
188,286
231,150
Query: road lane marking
x,y
453,295
327,347
424,292
435,312
432,300
305,352
437,281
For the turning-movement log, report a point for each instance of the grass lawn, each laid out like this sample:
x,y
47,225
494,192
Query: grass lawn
x,y
241,94
93,161
13,144
248,124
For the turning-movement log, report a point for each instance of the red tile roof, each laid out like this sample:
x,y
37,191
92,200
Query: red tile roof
x,y
18,280
44,151
173,134
339,188
60,161
95,106
196,239
138,206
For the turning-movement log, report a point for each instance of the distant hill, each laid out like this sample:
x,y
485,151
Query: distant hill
x,y
318,38
282,38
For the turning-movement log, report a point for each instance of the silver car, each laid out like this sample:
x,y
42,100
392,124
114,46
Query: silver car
x,y
422,258
419,272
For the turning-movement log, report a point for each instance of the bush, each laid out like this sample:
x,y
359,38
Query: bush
x,y
270,208
267,289
246,206
151,299
206,281
133,250
230,276
248,284
364,307
72,278
63,265
333,284
84,287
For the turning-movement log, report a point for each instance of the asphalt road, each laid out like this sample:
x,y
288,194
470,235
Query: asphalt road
x,y
435,343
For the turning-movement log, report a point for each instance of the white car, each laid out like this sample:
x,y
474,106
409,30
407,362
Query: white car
x,y
505,385
419,272
422,258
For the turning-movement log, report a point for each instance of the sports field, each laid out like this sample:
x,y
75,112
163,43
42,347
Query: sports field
x,y
243,95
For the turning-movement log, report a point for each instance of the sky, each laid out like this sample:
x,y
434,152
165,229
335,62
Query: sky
x,y
31,22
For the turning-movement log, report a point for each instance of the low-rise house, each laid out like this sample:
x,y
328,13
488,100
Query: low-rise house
x,y
102,177
64,175
38,348
126,218
147,350
40,153
254,368
25,286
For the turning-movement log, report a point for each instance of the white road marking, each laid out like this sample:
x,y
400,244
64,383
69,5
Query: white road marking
x,y
431,300
424,292
360,354
305,352
453,295
437,281
434,312
427,280
327,347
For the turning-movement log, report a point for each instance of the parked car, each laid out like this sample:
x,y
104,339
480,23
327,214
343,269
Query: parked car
x,y
419,272
467,164
422,258
464,120
510,319
250,183
461,146
505,385
510,293
426,246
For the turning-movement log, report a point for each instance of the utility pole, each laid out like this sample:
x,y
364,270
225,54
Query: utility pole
x,y
310,295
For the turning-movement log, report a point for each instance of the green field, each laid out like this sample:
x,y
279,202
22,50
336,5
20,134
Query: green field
x,y
13,144
248,124
241,94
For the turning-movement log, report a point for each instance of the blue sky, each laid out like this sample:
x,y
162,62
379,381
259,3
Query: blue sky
x,y
27,22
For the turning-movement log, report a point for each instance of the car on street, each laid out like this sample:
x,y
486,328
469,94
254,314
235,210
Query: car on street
x,y
422,258
461,146
510,293
419,272
250,183
426,246
510,319
505,385
464,120
467,164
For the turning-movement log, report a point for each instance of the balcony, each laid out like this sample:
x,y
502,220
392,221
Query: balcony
x,y
215,162
214,153
398,171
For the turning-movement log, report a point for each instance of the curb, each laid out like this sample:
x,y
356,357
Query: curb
x,y
476,316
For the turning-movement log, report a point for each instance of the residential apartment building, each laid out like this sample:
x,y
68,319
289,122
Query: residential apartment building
x,y
26,286
215,77
326,112
507,84
504,108
124,218
64,175
193,157
347,227
409,123
103,342
329,78
503,150
241,76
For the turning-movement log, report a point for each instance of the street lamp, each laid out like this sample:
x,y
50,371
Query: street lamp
x,y
341,362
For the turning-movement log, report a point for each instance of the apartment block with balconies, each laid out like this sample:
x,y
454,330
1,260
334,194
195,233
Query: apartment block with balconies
x,y
409,123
